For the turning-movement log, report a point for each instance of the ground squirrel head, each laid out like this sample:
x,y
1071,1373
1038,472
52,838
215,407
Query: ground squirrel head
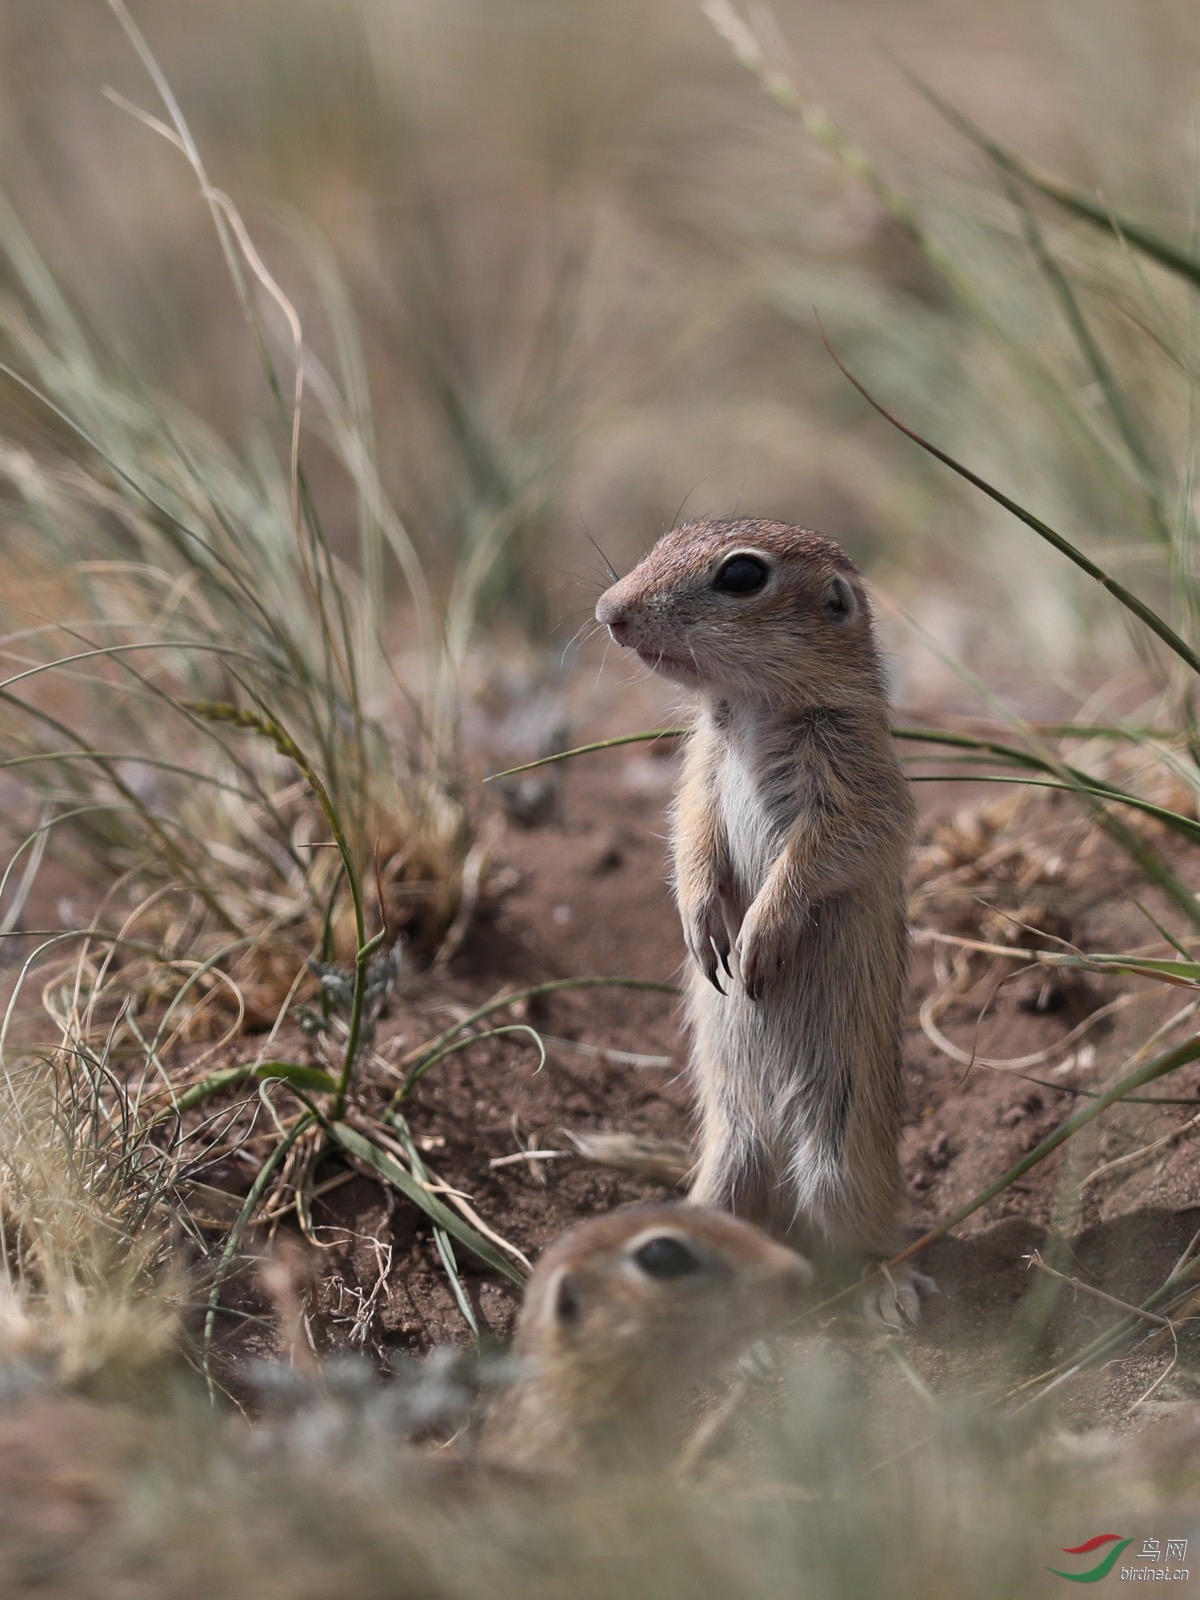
x,y
749,610
622,1316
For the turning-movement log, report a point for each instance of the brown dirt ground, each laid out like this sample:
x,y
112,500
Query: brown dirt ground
x,y
585,894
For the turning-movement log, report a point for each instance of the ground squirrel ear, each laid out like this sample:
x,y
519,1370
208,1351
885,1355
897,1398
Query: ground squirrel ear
x,y
838,600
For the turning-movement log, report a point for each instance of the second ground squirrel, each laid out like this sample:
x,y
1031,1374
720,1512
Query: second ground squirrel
x,y
623,1315
791,834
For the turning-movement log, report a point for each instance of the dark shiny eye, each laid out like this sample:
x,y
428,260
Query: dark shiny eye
x,y
665,1258
741,575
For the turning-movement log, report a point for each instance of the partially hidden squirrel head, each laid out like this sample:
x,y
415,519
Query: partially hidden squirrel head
x,y
624,1314
749,610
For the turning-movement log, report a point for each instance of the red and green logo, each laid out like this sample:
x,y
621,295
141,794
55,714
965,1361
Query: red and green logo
x,y
1103,1567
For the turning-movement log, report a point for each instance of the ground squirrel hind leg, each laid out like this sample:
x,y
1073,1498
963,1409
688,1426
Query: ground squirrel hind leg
x,y
891,1296
849,1240
734,1175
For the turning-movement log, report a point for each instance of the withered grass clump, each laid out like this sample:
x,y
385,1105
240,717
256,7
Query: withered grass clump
x,y
161,575
198,678
89,1298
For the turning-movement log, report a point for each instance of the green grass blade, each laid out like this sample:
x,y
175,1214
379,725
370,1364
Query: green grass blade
x,y
422,1057
445,1245
162,836
257,1189
1055,730
1176,260
269,726
390,1170
1095,359
1171,819
1130,601
1165,933
1147,858
293,1072
455,1045
1171,1061
586,749
1184,972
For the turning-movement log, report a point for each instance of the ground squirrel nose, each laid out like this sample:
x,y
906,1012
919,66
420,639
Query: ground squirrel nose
x,y
613,618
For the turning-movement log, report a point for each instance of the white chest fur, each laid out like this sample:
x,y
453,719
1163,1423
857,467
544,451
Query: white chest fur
x,y
754,810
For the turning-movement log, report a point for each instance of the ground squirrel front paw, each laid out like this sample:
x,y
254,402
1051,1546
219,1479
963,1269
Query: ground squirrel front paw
x,y
766,942
708,938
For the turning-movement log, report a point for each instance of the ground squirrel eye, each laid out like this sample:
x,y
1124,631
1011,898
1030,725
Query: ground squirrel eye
x,y
665,1258
740,575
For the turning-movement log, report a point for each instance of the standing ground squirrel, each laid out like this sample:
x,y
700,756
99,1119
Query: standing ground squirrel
x,y
622,1316
791,834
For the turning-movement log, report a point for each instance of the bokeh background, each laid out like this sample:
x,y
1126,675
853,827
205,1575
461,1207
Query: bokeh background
x,y
569,254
